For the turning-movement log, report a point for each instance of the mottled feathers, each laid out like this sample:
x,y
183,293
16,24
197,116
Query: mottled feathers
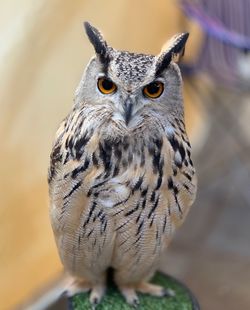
x,y
119,189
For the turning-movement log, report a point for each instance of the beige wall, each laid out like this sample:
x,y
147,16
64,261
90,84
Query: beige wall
x,y
43,52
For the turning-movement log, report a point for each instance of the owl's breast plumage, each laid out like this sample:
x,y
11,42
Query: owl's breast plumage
x,y
116,191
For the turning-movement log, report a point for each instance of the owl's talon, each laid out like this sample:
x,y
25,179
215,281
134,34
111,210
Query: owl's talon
x,y
75,286
63,294
135,303
167,292
95,301
154,290
130,295
77,290
96,294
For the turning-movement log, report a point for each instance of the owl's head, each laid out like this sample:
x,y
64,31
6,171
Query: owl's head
x,y
131,83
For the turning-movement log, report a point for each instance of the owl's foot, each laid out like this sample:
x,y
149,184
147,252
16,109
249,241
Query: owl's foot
x,y
130,295
129,292
74,286
154,290
97,292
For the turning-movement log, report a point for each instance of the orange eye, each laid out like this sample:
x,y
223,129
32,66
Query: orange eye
x,y
153,90
106,86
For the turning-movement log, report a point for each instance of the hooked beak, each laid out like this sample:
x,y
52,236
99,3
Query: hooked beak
x,y
127,108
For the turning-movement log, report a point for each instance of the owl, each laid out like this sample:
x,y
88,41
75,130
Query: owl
x,y
121,178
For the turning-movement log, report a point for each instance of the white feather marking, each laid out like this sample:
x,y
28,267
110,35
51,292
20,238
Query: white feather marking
x,y
169,131
177,157
117,193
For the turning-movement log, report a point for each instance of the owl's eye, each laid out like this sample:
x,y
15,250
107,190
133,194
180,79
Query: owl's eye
x,y
153,90
106,86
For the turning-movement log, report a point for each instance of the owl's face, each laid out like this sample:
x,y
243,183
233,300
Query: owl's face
x,y
131,84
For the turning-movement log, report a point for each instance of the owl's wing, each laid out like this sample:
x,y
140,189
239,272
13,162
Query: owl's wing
x,y
74,168
57,153
69,159
182,181
74,142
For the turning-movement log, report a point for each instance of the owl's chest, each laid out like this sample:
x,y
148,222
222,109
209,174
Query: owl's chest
x,y
133,194
128,171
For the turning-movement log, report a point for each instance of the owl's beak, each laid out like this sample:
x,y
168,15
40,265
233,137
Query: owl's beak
x,y
127,108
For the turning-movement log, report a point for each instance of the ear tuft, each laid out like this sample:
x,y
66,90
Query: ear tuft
x,y
97,40
173,50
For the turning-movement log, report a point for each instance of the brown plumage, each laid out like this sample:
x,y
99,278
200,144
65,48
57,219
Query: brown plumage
x,y
121,177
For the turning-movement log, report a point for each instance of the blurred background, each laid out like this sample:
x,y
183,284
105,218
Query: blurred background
x,y
43,53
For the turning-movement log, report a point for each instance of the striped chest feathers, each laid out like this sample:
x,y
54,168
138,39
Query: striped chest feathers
x,y
123,172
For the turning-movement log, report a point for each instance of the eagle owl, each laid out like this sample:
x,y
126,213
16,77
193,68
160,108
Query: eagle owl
x,y
121,178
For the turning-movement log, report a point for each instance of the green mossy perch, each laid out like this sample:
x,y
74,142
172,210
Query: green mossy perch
x,y
183,300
